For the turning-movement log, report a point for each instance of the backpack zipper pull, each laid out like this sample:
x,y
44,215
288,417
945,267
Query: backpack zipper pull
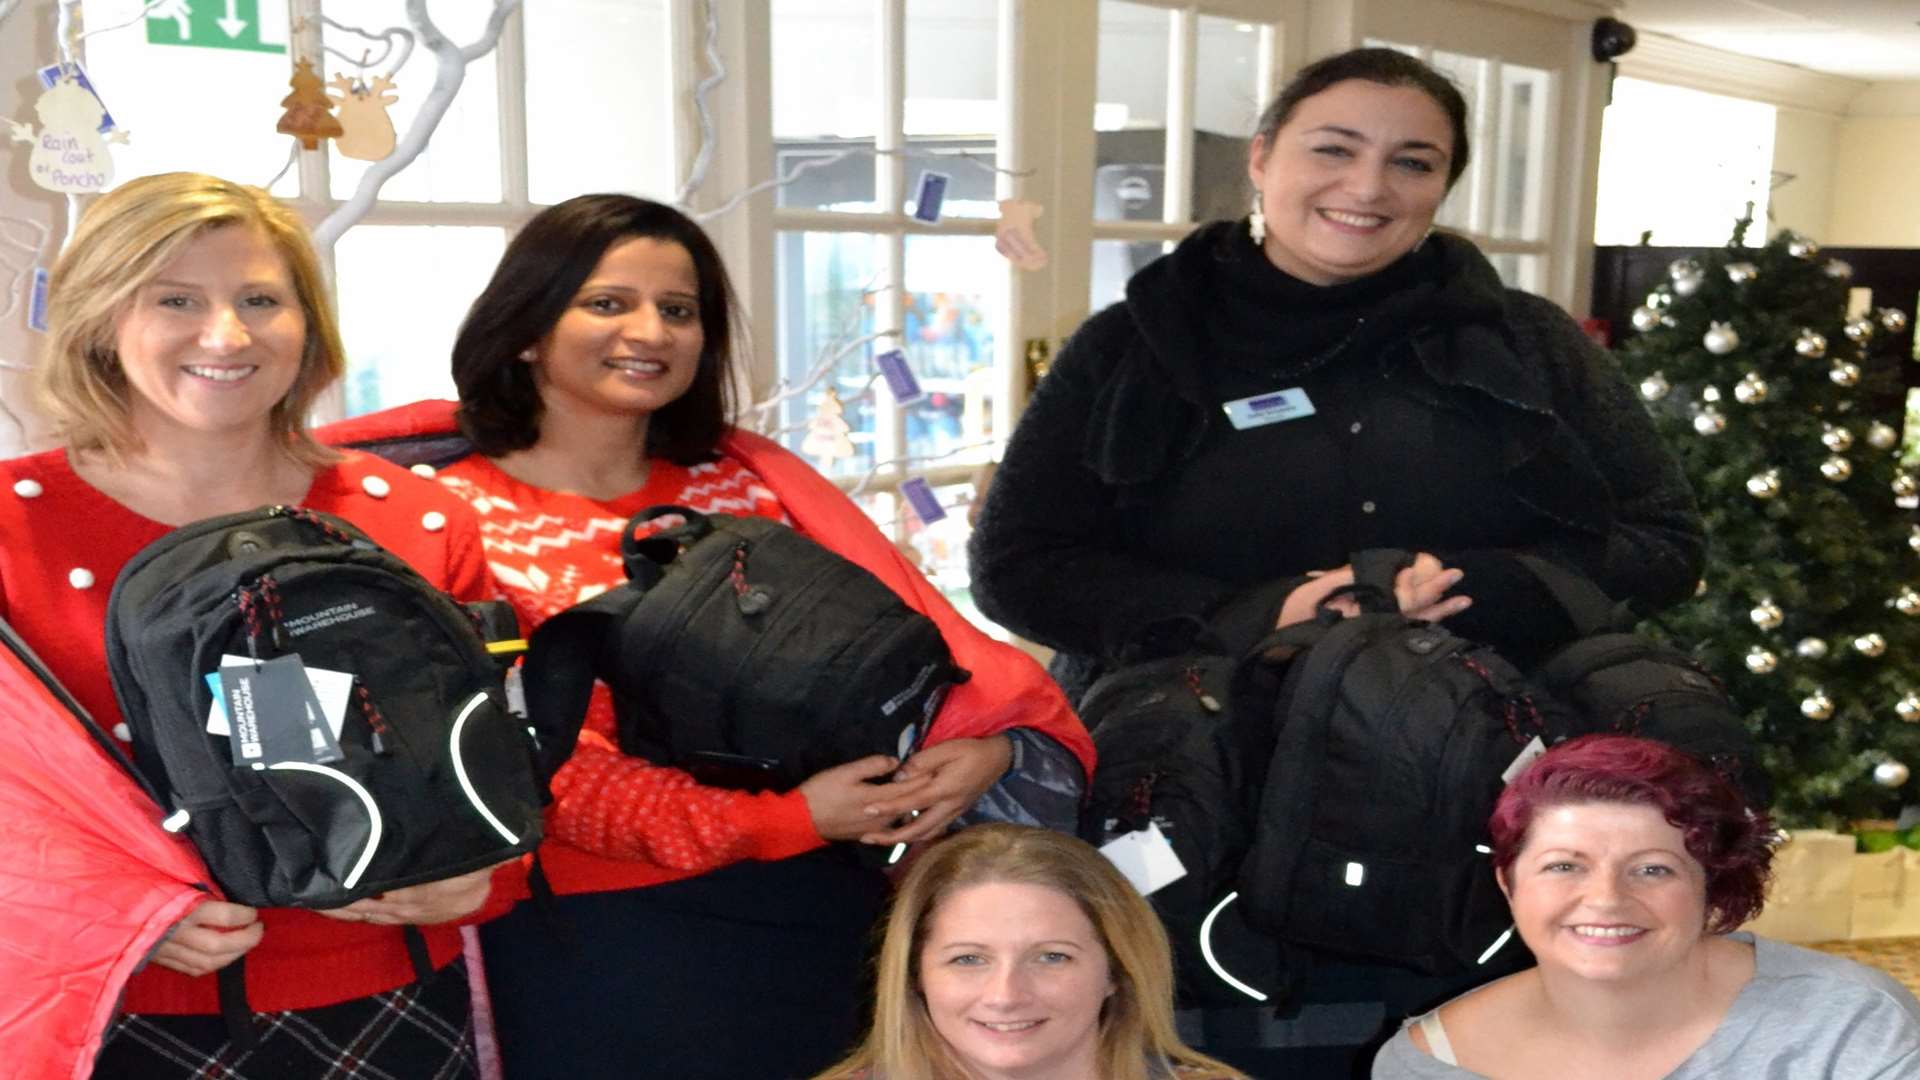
x,y
1207,701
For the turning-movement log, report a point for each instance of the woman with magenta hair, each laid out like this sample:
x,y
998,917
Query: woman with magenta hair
x,y
1628,865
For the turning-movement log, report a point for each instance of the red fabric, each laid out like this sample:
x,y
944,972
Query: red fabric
x,y
88,885
304,960
690,828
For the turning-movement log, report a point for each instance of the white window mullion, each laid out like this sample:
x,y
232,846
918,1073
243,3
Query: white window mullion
x,y
1183,43
510,60
1010,376
890,422
1489,138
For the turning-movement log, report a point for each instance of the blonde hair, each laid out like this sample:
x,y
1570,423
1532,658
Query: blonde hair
x,y
1137,1038
124,240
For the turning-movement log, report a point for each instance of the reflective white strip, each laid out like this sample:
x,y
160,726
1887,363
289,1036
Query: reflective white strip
x,y
1483,849
1495,947
898,850
460,769
366,799
1356,874
176,821
1206,949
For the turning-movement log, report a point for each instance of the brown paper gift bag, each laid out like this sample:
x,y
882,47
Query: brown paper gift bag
x,y
1886,894
1811,897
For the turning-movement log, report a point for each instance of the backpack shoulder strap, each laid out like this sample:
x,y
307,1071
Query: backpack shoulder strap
x,y
1592,611
563,659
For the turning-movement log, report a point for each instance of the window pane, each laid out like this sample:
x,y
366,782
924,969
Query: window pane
x,y
1520,271
462,161
825,69
1682,165
1114,261
168,95
956,306
1519,193
953,102
582,57
403,291
826,304
1130,110
1226,106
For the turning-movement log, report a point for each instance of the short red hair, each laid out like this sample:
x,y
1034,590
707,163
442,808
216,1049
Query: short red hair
x,y
1730,840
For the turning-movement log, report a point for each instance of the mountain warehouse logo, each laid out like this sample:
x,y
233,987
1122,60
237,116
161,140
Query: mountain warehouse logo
x,y
325,617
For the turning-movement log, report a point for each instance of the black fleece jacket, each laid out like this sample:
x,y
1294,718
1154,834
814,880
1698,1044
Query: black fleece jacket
x,y
1451,415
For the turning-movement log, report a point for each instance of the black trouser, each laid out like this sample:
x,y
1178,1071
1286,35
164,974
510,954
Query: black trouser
x,y
757,970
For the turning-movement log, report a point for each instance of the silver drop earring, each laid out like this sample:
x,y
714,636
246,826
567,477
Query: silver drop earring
x,y
1257,223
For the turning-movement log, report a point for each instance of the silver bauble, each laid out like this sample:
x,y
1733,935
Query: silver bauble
x,y
1658,298
1836,468
1870,644
1720,339
1760,661
1742,272
1846,373
1810,344
1890,774
1750,390
1908,707
1709,421
1837,439
1892,320
1802,248
1905,486
1859,331
1764,485
1645,319
1810,648
1709,394
1913,539
1683,268
1700,587
1766,614
1881,436
1907,601
1817,706
1655,386
1838,268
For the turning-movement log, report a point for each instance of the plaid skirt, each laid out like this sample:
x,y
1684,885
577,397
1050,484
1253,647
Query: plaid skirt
x,y
421,1031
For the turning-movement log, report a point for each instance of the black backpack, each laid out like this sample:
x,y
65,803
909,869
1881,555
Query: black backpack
x,y
1390,741
745,653
432,777
1170,754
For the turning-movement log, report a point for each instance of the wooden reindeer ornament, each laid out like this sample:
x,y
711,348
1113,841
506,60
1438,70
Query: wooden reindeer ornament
x,y
368,132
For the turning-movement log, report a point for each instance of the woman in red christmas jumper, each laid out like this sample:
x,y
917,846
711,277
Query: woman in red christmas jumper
x,y
718,936
189,330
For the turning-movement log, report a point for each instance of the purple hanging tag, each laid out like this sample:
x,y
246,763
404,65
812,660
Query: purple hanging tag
x,y
920,497
933,192
37,302
900,379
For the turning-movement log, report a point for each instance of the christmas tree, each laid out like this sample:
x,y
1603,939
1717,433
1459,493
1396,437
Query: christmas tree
x,y
309,115
827,432
1809,609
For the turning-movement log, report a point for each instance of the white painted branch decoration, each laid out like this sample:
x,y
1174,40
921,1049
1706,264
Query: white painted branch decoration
x,y
450,71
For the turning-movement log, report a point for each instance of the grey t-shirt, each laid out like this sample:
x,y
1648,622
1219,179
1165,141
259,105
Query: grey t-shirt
x,y
1805,1016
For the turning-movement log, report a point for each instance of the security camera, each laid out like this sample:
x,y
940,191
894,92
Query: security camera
x,y
1612,39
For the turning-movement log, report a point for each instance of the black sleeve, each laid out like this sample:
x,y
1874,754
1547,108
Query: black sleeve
x,y
1656,542
1047,558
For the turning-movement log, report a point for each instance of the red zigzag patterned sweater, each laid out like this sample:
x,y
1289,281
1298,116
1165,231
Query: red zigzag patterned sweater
x,y
550,550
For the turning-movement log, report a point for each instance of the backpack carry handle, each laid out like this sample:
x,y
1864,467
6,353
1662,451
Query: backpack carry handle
x,y
646,559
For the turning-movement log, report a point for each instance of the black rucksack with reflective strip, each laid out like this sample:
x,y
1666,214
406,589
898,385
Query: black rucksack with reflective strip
x,y
745,653
428,777
1390,741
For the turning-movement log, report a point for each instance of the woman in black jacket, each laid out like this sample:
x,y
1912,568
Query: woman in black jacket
x,y
1327,376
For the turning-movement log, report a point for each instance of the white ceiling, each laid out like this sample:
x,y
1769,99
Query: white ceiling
x,y
1874,40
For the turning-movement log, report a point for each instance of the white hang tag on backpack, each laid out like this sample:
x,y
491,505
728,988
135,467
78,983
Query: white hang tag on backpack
x,y
1527,753
1145,857
333,688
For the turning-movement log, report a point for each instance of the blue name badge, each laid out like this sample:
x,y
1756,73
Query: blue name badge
x,y
1270,408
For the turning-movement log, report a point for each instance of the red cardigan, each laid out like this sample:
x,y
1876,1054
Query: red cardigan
x,y
1008,689
62,543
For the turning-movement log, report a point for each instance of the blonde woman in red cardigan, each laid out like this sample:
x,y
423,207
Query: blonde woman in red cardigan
x,y
718,937
189,330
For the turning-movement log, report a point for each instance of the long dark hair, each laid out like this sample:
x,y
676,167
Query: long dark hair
x,y
1388,67
538,277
